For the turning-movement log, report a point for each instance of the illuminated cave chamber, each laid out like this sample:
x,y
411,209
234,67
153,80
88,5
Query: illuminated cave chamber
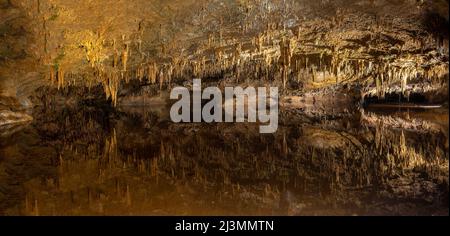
x,y
111,54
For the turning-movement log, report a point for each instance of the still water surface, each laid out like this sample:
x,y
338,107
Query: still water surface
x,y
87,161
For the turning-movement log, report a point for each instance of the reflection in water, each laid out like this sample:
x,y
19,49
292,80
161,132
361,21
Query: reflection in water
x,y
137,162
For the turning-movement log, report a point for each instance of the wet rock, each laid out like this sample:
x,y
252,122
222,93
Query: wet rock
x,y
12,112
10,117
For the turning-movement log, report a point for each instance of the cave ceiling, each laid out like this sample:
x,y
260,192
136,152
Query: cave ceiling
x,y
61,42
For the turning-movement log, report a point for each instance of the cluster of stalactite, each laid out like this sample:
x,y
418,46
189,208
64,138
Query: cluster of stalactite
x,y
161,74
284,63
287,61
57,76
281,63
111,82
276,54
104,69
387,74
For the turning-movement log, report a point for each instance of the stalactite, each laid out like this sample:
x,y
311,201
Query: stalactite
x,y
152,71
110,85
259,42
287,48
169,74
404,78
378,85
124,58
314,73
210,40
52,75
161,79
46,34
139,41
140,73
60,77
106,87
115,59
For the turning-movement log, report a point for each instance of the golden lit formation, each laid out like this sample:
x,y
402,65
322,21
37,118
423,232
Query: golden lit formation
x,y
85,127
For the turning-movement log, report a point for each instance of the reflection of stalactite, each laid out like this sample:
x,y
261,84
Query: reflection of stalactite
x,y
27,205
128,196
36,208
379,137
110,148
402,144
285,145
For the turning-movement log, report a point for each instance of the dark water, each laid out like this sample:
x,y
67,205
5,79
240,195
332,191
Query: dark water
x,y
86,161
